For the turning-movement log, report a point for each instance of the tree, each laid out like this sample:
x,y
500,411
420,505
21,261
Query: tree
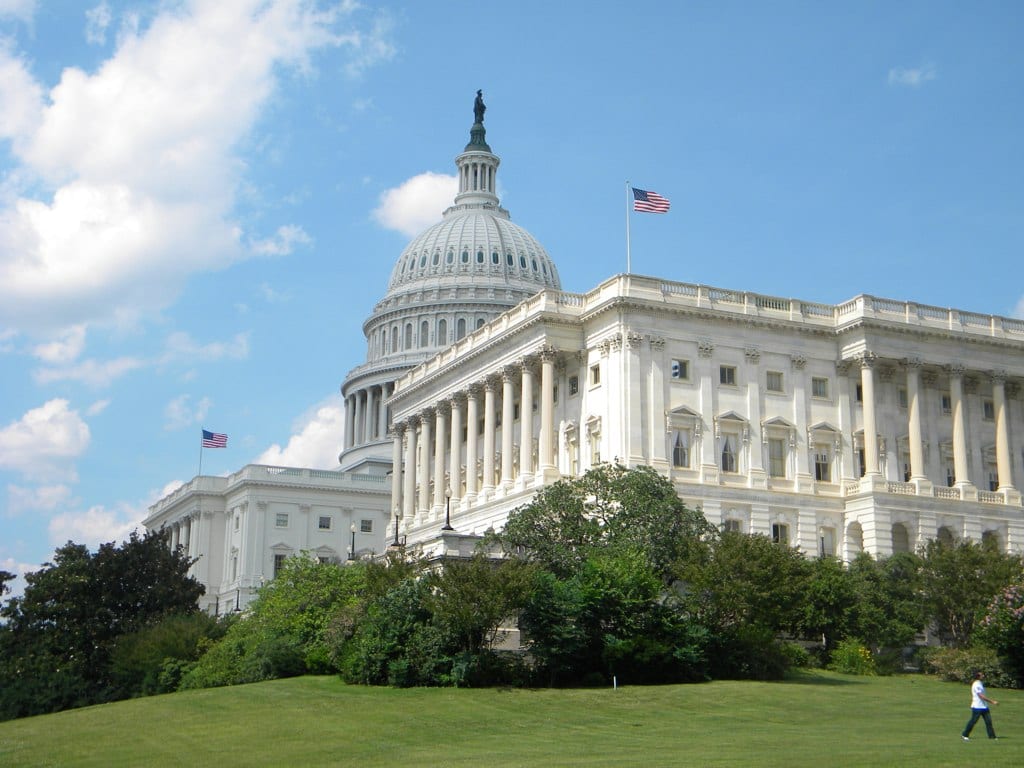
x,y
609,508
56,644
5,576
830,603
1002,628
958,581
889,611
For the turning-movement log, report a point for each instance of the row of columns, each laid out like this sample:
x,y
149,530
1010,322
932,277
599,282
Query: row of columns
x,y
366,415
441,426
1004,463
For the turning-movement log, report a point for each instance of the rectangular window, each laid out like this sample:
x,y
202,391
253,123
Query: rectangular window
x,y
681,449
237,520
774,381
595,375
860,393
901,397
554,392
947,403
278,564
727,375
595,448
827,542
822,465
861,462
819,387
366,526
681,370
515,411
574,385
324,522
989,410
729,453
281,520
776,457
993,480
780,534
732,526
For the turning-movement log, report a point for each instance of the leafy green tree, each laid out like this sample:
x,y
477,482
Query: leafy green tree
x,y
751,581
5,576
829,605
889,611
57,638
958,581
609,508
1002,629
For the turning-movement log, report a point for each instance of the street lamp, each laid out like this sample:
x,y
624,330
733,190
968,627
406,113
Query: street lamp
x,y
352,550
448,512
398,516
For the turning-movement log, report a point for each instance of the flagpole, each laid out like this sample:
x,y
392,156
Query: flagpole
x,y
200,453
629,265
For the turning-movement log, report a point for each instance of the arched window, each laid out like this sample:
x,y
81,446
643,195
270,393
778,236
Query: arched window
x,y
494,257
383,341
442,333
479,257
437,258
408,336
450,258
460,328
480,322
394,338
423,261
424,333
509,259
522,261
465,256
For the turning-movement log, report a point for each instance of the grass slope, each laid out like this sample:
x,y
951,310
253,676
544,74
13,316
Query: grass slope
x,y
814,719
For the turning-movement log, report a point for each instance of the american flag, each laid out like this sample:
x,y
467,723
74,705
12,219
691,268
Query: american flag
x,y
214,440
646,201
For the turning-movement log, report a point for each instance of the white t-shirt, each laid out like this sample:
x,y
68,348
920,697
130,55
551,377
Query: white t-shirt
x,y
977,691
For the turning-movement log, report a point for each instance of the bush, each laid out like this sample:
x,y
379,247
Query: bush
x,y
796,656
852,658
747,652
958,665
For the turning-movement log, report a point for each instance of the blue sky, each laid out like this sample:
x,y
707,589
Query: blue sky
x,y
201,201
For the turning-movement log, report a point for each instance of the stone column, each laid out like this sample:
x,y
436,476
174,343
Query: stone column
x,y
489,429
350,421
918,475
709,469
956,394
1004,463
804,480
369,422
409,486
472,436
526,424
757,477
382,417
357,421
423,470
546,458
455,448
507,429
396,465
867,383
440,438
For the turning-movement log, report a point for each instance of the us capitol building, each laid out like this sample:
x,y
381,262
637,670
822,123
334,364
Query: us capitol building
x,y
873,425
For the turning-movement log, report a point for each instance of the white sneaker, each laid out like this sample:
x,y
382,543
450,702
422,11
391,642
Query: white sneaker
x,y
965,738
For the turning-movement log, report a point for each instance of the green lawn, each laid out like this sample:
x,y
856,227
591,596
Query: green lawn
x,y
815,719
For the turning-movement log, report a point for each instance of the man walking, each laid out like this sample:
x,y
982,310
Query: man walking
x,y
979,708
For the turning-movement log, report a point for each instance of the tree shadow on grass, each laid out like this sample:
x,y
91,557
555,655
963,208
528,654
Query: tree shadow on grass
x,y
807,677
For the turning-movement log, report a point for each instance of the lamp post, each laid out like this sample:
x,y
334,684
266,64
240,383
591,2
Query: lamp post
x,y
352,550
448,511
398,517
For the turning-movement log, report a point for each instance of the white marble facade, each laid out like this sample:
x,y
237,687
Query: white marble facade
x,y
756,407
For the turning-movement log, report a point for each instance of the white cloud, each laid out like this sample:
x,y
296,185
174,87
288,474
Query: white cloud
x,y
180,413
316,442
181,347
45,498
282,243
912,77
413,205
96,22
98,407
95,373
44,440
1018,311
97,525
23,10
67,347
140,156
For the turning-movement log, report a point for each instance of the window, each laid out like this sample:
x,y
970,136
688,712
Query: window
x,y
681,370
278,564
860,393
366,526
408,336
324,523
732,526
442,333
681,449
862,467
727,375
729,453
822,464
827,542
595,448
777,457
819,387
238,519
947,403
281,520
574,385
595,375
774,381
780,534
988,410
460,328
901,397
515,411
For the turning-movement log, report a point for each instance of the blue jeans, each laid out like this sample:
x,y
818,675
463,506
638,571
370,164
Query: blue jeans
x,y
975,714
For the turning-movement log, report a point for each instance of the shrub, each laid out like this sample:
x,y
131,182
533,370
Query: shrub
x,y
747,652
1003,629
852,658
958,665
796,656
